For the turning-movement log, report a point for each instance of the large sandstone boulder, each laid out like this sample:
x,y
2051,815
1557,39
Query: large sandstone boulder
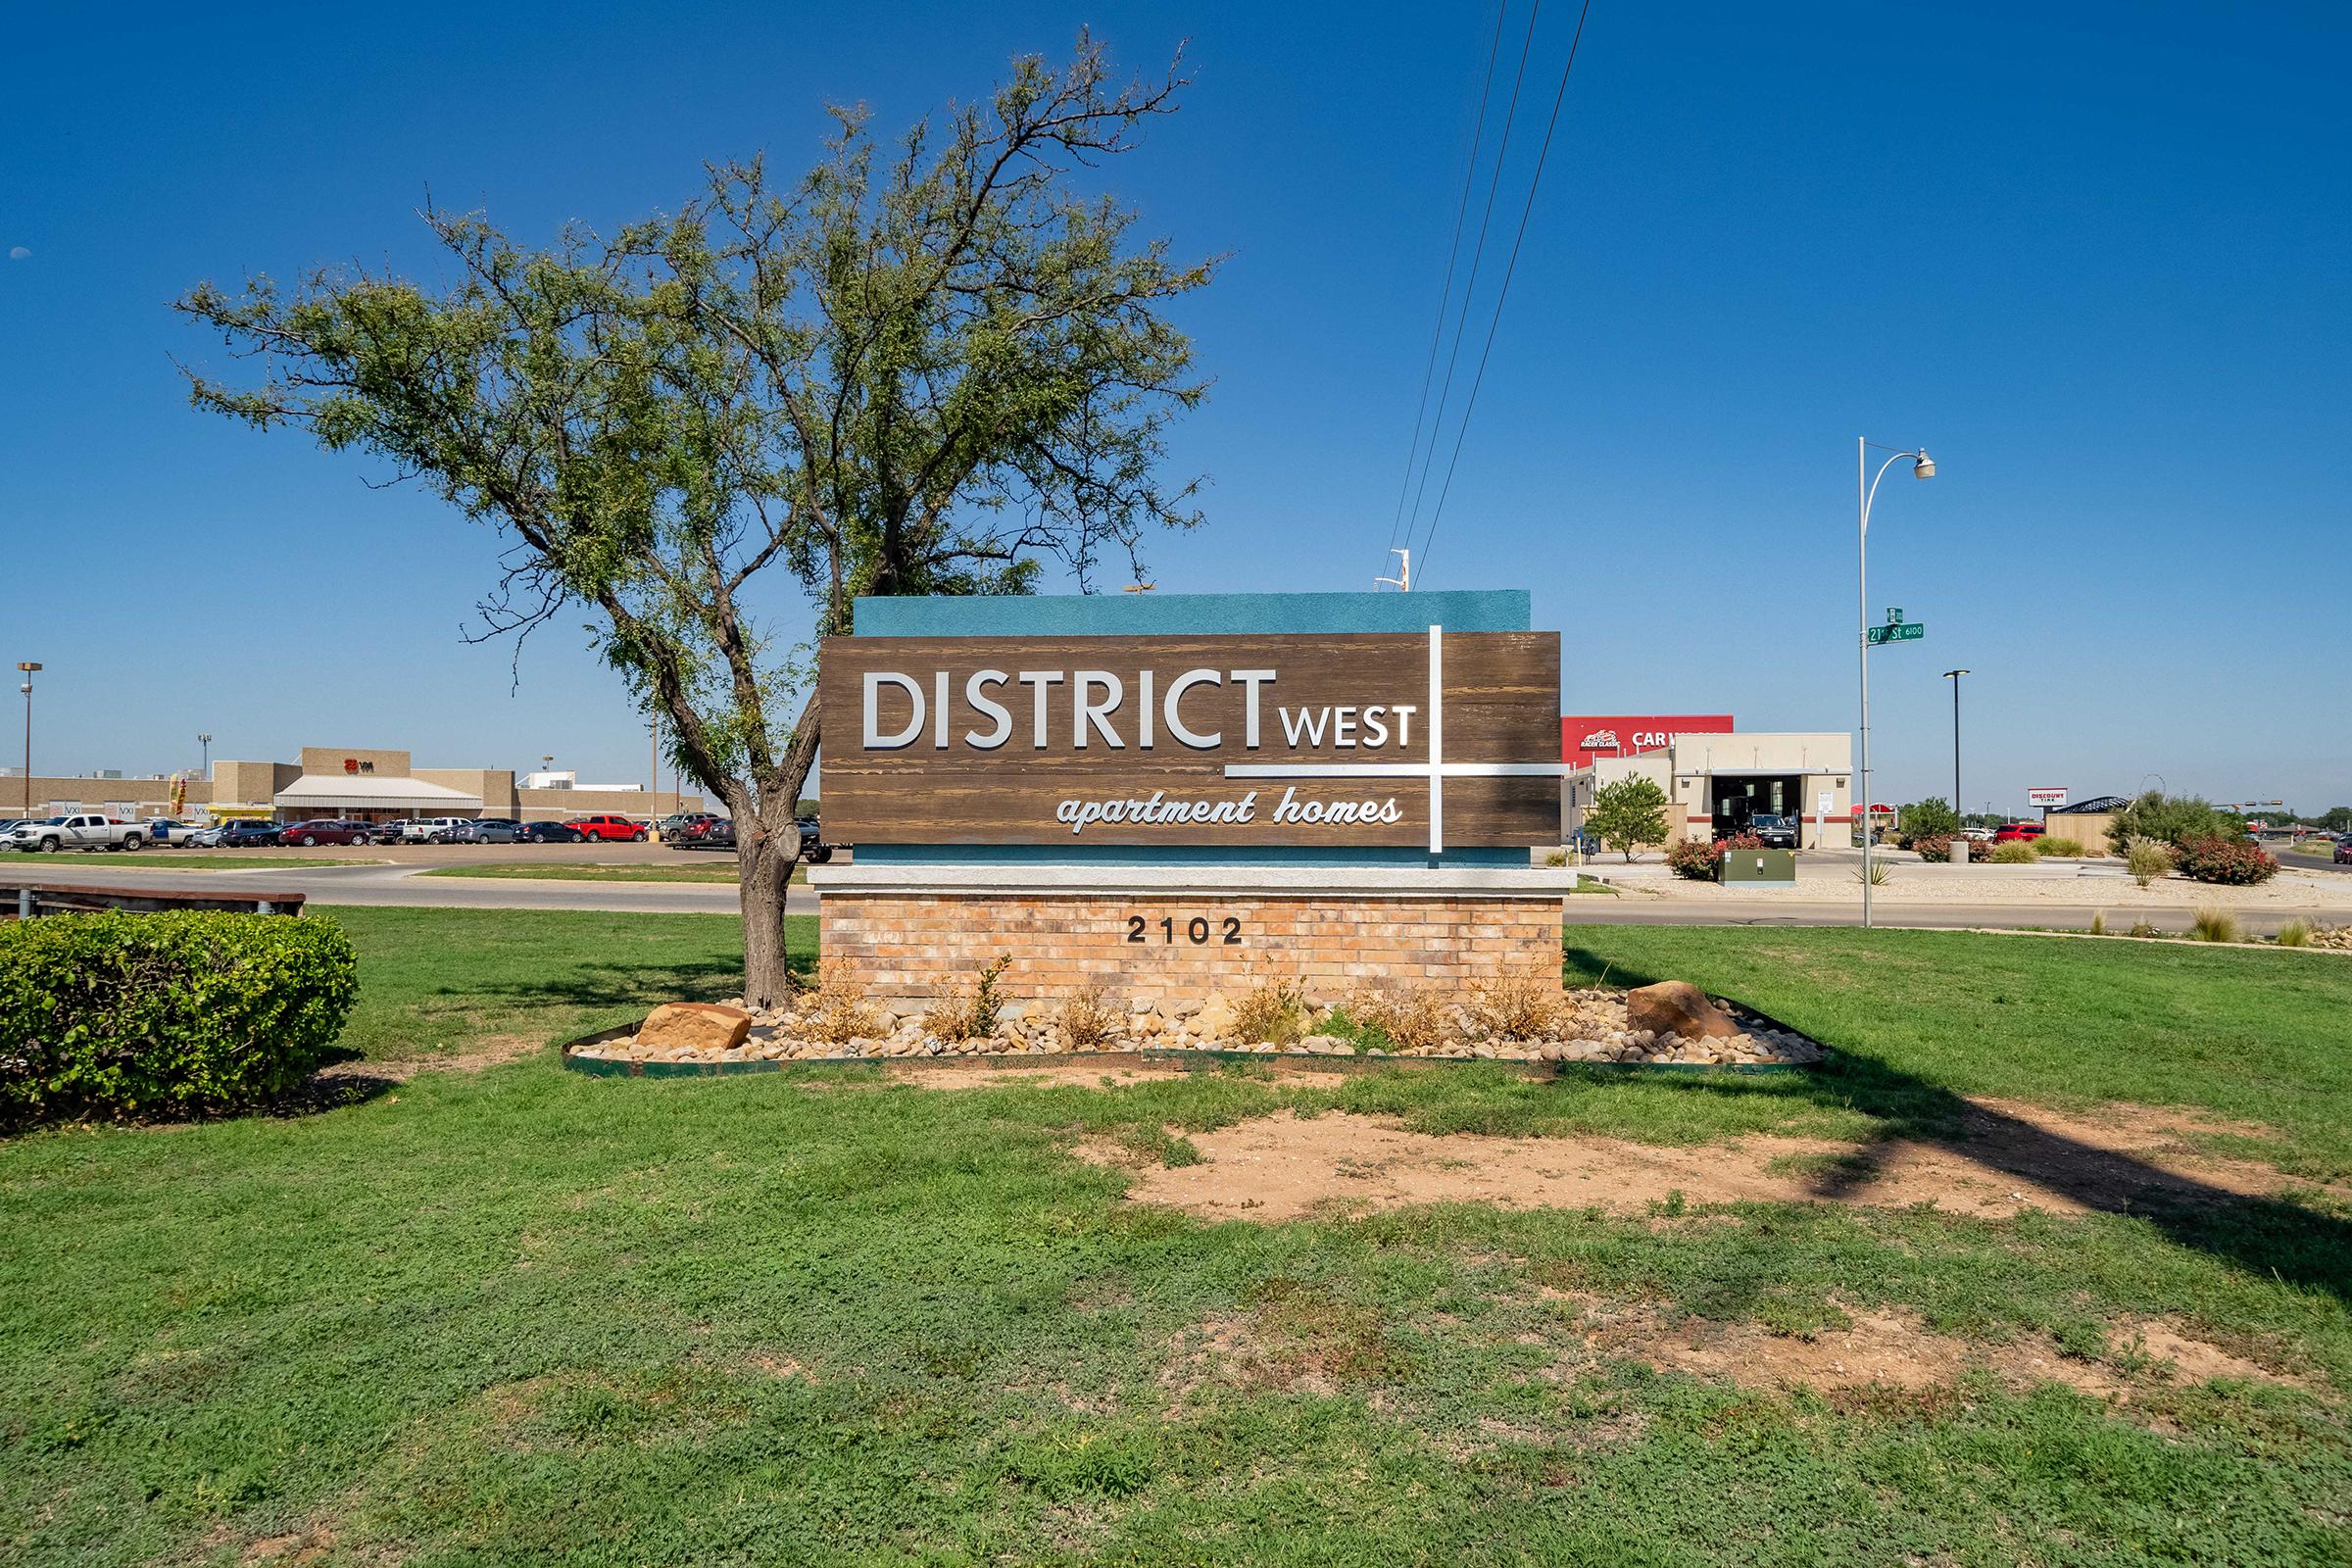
x,y
695,1026
1677,1006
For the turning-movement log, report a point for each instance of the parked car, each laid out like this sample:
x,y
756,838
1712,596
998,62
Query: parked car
x,y
328,831
1977,835
429,829
168,832
607,829
716,834
485,830
2343,850
206,838
814,849
552,833
684,824
244,835
2018,833
1777,832
83,830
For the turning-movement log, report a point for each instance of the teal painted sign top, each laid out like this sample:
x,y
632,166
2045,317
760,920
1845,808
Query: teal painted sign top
x,y
1193,615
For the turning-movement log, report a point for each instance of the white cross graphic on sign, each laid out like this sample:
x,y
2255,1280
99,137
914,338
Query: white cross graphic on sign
x,y
1437,769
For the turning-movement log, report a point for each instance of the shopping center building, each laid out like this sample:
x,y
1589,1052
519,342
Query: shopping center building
x,y
363,783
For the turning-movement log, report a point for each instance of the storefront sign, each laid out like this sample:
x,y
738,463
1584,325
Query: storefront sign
x,y
2046,796
1325,739
1586,736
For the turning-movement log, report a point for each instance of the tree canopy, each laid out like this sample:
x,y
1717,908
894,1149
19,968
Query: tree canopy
x,y
1627,815
934,371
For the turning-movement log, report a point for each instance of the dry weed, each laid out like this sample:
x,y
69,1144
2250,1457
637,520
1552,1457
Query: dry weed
x,y
1518,1004
1087,1016
842,1014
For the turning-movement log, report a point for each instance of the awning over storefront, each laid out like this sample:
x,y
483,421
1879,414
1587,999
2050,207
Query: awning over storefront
x,y
328,792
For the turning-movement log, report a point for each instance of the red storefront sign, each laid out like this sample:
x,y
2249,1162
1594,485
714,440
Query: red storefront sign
x,y
1585,736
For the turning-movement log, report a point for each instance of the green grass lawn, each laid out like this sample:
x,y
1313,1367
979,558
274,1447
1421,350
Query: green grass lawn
x,y
561,871
521,1315
438,982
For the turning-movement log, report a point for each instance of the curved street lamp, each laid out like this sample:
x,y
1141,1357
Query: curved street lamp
x,y
1866,491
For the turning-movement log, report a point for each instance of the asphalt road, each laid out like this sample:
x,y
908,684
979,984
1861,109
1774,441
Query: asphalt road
x,y
400,885
2302,861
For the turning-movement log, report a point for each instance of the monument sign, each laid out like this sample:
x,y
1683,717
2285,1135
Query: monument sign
x,y
1127,791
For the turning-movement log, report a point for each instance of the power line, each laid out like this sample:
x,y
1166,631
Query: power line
x,y
1470,405
1437,331
1477,256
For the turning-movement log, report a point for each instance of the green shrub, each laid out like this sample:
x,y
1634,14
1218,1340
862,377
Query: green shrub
x,y
1936,847
2065,849
1933,816
2172,819
120,1014
2229,860
2148,859
2014,853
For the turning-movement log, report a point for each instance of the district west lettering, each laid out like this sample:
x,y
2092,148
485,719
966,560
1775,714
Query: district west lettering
x,y
1101,706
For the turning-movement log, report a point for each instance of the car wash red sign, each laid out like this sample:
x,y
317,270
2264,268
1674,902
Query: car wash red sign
x,y
1586,736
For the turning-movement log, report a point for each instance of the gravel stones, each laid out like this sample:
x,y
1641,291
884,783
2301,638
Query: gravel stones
x,y
1593,1025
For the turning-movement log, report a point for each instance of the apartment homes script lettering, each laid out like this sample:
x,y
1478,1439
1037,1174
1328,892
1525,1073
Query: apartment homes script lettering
x,y
1443,740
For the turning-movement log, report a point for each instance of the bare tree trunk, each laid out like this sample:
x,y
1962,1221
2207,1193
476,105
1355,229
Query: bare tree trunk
x,y
767,845
766,871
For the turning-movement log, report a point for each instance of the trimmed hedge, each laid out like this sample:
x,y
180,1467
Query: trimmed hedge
x,y
122,1014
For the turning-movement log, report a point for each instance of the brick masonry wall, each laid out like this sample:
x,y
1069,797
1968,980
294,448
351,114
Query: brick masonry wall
x,y
904,945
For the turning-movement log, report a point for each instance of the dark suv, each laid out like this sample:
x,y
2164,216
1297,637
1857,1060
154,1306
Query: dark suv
x,y
242,835
1777,832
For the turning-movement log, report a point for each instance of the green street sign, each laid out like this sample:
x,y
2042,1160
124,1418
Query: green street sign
x,y
1902,632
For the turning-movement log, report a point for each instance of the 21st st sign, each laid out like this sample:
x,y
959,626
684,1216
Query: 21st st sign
x,y
1327,739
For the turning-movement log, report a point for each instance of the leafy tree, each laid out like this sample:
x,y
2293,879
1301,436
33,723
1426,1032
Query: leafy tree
x,y
926,377
2337,819
1933,816
2172,819
1627,815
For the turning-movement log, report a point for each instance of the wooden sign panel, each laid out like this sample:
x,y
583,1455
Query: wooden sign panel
x,y
1443,739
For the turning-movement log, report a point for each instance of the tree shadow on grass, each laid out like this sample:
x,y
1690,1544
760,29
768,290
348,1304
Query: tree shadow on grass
x,y
2263,1236
615,984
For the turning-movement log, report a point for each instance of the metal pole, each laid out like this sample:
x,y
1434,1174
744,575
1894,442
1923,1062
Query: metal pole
x,y
1956,674
1862,641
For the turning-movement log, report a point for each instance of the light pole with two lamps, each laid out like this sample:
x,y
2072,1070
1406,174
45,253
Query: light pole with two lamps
x,y
1866,490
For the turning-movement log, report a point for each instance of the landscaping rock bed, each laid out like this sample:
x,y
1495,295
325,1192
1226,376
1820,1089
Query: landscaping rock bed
x,y
1592,1025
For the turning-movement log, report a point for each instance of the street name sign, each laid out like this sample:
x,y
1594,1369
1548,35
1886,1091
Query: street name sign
x,y
1902,632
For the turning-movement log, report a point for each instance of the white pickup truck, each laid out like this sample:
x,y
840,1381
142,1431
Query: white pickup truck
x,y
88,831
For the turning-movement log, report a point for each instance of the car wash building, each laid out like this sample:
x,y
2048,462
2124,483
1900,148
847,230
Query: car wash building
x,y
1718,784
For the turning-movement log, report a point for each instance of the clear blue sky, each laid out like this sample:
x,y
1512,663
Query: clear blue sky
x,y
2096,257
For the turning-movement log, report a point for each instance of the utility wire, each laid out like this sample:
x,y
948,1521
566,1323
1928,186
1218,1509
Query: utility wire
x,y
1437,330
1470,405
1477,256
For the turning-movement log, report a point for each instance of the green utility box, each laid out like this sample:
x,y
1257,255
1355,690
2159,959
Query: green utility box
x,y
1759,865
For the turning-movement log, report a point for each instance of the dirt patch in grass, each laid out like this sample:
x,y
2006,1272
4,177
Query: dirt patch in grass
x,y
493,1050
1895,1349
2002,1159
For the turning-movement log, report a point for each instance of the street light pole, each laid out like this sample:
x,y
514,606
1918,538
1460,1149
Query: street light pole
x,y
206,740
27,667
1953,675
1866,490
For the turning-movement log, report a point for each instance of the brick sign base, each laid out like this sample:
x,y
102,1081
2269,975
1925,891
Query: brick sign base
x,y
1164,947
